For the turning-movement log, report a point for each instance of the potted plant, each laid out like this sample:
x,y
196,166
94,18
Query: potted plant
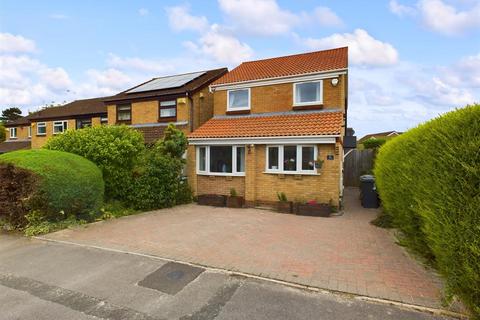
x,y
234,200
211,200
283,205
313,208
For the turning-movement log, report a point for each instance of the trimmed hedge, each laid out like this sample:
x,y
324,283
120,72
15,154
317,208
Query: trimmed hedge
x,y
116,150
56,184
429,183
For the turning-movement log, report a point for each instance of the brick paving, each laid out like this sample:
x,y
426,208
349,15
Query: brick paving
x,y
343,253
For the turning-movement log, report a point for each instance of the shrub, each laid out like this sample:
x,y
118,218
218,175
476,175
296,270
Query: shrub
x,y
158,182
373,143
115,150
429,183
54,184
3,133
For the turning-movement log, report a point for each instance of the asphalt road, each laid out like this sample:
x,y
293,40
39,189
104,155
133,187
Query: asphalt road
x,y
45,280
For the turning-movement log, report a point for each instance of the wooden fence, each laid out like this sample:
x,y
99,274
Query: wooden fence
x,y
355,164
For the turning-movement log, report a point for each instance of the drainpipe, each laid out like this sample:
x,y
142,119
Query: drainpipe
x,y
187,94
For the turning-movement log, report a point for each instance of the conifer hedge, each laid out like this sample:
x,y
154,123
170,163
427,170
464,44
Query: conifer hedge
x,y
429,183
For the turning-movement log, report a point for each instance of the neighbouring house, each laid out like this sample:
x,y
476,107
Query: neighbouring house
x,y
379,135
183,99
278,126
74,115
18,137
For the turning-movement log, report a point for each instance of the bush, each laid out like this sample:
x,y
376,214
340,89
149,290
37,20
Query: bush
x,y
115,150
158,182
3,133
52,184
429,183
374,143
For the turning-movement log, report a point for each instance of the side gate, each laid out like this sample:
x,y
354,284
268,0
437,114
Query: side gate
x,y
355,164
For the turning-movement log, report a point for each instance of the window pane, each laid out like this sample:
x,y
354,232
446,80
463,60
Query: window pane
x,y
168,103
240,159
221,159
83,123
171,112
290,158
202,159
41,129
124,115
273,158
238,99
307,92
308,162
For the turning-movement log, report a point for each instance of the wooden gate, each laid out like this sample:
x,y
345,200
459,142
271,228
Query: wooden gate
x,y
355,164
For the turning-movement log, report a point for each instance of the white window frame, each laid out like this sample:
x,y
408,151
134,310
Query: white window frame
x,y
207,161
299,170
63,123
43,125
241,108
312,103
13,133
29,132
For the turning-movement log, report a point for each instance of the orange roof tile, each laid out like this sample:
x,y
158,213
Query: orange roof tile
x,y
272,125
297,64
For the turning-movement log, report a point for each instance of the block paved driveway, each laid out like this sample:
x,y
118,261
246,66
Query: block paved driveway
x,y
343,253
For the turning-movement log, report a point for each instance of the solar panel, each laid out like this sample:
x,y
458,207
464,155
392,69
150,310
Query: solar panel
x,y
167,82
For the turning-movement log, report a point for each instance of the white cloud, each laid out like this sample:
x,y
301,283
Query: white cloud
x,y
222,47
55,78
143,11
446,19
154,67
363,49
15,43
324,16
58,16
263,17
180,19
400,9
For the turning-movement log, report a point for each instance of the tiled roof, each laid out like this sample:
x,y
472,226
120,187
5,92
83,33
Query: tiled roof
x,y
271,125
298,64
8,146
191,86
22,121
72,109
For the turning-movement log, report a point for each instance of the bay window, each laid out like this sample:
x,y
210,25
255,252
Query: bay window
x,y
60,126
291,159
308,93
221,160
238,100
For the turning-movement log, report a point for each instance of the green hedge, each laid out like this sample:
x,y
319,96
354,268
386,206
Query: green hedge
x,y
429,183
63,184
114,149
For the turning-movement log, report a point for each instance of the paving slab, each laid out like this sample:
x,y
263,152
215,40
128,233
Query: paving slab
x,y
343,253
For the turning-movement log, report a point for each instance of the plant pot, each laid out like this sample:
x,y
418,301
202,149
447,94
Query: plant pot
x,y
285,206
214,200
315,210
235,202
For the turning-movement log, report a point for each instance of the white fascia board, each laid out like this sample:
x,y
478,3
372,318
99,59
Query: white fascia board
x,y
324,139
279,80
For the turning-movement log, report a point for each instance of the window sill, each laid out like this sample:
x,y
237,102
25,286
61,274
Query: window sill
x,y
219,174
239,109
293,173
168,119
41,135
307,106
238,112
126,122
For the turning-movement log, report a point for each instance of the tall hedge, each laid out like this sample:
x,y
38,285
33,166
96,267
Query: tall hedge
x,y
429,183
57,184
116,150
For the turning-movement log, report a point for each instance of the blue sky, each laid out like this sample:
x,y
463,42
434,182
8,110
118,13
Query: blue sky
x,y
410,60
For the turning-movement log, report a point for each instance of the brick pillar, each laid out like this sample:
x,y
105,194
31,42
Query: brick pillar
x,y
250,174
192,168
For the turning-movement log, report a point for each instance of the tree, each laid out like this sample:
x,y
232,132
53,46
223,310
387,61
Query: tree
x,y
3,134
11,114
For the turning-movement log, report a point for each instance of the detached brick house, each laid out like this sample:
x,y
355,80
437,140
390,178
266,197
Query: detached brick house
x,y
183,100
278,126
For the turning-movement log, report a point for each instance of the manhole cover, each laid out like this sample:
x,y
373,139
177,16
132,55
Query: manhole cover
x,y
171,277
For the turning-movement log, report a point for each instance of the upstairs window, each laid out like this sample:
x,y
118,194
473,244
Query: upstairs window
x,y
124,113
13,133
60,126
41,129
238,100
308,93
168,110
